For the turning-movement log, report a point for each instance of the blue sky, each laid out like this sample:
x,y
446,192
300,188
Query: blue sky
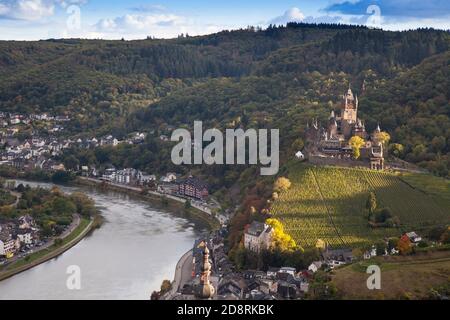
x,y
136,19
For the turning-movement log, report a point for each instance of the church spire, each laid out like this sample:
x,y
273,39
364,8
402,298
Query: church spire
x,y
205,290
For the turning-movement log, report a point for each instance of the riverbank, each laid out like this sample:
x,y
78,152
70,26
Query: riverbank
x,y
84,227
183,273
162,200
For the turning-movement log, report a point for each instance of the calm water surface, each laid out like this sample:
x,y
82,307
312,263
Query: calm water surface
x,y
136,248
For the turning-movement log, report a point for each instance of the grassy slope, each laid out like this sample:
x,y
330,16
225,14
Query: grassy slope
x,y
329,203
401,277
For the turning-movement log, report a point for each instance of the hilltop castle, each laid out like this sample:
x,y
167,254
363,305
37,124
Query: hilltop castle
x,y
333,141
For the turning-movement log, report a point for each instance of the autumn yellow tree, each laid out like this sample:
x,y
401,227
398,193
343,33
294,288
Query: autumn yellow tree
x,y
282,184
356,143
404,245
383,137
280,239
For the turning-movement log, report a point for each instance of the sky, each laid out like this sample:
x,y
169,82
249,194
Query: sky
x,y
138,19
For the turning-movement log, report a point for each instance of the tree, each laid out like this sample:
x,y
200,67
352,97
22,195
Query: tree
x,y
298,145
71,162
438,143
371,204
282,184
58,242
280,239
320,244
445,237
380,248
356,143
397,149
84,205
63,206
187,205
165,286
383,137
404,245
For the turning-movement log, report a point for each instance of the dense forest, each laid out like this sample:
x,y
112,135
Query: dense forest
x,y
279,77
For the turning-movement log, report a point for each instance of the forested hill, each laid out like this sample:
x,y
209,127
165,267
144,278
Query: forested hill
x,y
46,74
277,77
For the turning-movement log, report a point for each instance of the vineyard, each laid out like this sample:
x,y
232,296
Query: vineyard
x,y
329,203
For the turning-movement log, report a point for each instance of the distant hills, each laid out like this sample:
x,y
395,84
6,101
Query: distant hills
x,y
278,77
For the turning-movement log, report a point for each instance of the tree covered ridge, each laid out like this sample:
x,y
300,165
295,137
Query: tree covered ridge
x,y
279,77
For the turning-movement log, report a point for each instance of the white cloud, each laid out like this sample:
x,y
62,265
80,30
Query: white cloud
x,y
160,25
292,15
31,10
35,9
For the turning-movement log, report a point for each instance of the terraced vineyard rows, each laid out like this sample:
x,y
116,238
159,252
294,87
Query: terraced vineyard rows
x,y
329,203
414,208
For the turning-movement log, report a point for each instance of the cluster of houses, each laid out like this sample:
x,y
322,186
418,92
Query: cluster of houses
x,y
229,284
110,140
11,120
170,183
33,153
16,235
7,119
38,152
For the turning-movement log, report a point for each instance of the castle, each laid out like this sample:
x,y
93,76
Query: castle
x,y
333,141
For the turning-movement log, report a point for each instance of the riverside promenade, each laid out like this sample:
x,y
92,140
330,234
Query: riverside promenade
x,y
195,204
183,273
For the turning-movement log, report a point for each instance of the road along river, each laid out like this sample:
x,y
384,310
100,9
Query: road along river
x,y
136,248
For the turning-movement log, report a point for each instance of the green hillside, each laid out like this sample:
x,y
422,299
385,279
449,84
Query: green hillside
x,y
278,77
329,203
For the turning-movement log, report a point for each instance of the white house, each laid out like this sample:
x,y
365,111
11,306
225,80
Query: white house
x,y
288,270
7,244
258,236
15,120
26,222
370,253
272,272
413,237
299,155
109,174
314,266
25,236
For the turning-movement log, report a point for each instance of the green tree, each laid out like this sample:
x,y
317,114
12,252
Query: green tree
x,y
371,203
397,149
187,205
71,162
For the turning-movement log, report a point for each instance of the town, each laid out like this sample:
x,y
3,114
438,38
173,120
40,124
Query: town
x,y
206,272
19,235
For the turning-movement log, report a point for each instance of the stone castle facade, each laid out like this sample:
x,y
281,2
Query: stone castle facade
x,y
333,140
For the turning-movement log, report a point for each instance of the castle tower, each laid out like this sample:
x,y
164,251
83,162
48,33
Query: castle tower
x,y
205,290
349,107
332,127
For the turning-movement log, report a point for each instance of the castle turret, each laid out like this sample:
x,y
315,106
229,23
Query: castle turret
x,y
378,129
332,127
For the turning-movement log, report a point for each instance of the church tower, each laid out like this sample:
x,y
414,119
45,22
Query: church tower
x,y
205,289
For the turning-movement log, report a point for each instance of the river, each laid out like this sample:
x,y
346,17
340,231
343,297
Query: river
x,y
136,248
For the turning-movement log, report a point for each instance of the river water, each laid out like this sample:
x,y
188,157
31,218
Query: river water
x,y
136,248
